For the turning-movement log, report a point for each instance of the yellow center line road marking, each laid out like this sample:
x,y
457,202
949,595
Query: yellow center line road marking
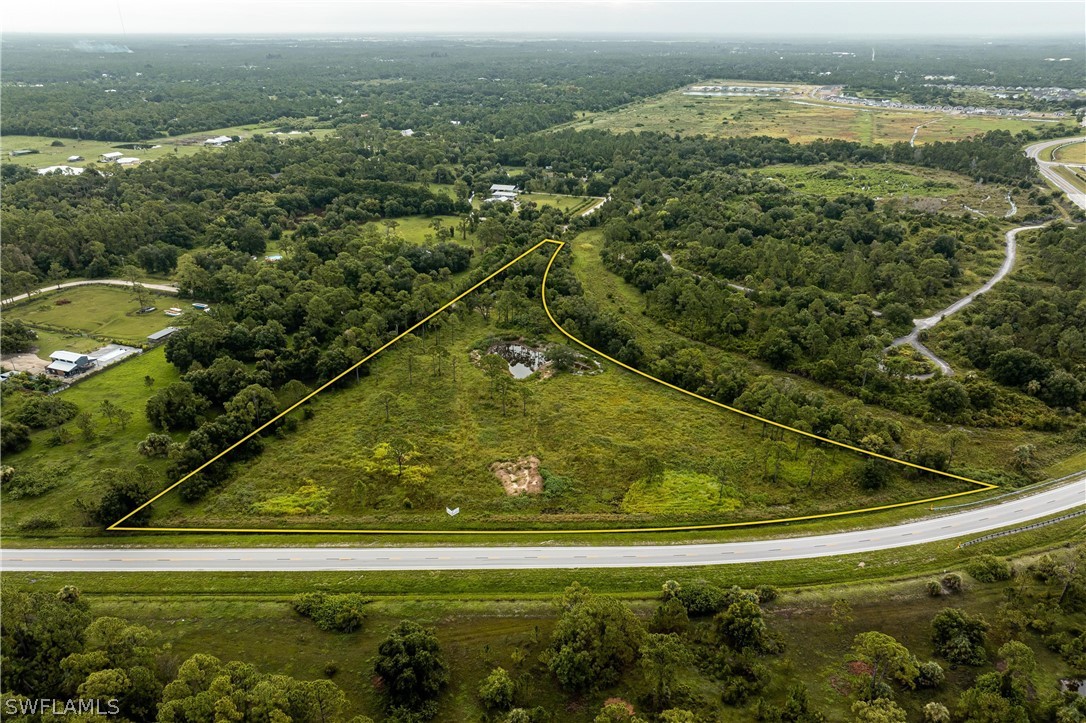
x,y
119,525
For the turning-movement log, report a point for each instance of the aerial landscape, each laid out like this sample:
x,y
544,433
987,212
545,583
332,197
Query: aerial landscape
x,y
538,362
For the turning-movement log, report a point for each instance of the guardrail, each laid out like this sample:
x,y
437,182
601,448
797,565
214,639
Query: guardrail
x,y
1034,526
1021,490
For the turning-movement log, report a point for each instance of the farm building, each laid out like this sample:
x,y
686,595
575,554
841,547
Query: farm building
x,y
62,170
127,161
502,192
22,152
161,334
218,141
68,363
407,133
110,157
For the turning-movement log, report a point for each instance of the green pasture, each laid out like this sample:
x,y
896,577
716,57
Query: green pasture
x,y
186,144
101,311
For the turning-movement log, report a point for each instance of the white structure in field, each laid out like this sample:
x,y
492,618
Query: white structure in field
x,y
62,170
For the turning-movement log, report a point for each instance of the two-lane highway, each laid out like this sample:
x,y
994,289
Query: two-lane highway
x,y
1014,511
1048,169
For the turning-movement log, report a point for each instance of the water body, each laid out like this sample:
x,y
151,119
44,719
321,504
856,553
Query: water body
x,y
522,360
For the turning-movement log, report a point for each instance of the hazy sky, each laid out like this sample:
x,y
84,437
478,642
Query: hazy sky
x,y
707,18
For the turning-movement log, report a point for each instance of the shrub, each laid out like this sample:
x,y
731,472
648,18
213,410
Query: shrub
x,y
496,691
988,568
766,593
874,474
125,491
935,588
704,598
31,482
155,445
936,713
959,637
38,523
670,617
342,613
42,412
14,437
952,582
930,675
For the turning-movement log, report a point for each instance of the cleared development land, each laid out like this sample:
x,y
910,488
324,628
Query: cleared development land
x,y
797,115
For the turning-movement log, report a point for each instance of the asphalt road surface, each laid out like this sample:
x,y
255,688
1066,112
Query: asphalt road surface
x,y
974,522
1047,169
164,288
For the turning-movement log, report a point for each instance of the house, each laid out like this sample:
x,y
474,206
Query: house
x,y
161,334
73,159
127,161
62,170
68,363
110,157
218,141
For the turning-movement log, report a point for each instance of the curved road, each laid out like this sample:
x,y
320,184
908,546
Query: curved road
x,y
164,288
973,522
919,325
1047,169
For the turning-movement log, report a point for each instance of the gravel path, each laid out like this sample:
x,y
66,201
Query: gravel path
x,y
919,325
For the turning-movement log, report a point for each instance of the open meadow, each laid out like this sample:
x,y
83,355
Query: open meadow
x,y
594,449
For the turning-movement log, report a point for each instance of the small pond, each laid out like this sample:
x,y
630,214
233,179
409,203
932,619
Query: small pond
x,y
1078,686
522,360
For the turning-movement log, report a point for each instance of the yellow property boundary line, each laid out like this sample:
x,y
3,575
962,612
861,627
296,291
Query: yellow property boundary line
x,y
559,245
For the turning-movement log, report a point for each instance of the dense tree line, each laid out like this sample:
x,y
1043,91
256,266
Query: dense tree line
x,y
137,89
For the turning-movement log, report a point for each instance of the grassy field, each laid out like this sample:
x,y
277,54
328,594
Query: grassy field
x,y
566,204
1077,176
592,433
795,116
101,311
1069,153
417,229
80,462
505,618
882,181
187,144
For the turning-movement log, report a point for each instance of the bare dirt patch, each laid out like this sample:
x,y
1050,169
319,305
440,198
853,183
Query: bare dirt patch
x,y
24,362
519,477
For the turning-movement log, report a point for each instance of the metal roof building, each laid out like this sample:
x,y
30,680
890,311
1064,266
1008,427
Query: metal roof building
x,y
161,334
